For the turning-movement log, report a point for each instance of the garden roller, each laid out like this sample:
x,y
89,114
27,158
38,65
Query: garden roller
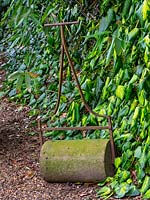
x,y
86,160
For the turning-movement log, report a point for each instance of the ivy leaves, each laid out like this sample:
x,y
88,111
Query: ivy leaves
x,y
114,53
130,108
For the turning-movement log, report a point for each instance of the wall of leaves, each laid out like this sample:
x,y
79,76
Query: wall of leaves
x,y
110,49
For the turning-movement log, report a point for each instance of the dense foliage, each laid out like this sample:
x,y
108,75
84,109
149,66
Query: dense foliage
x,y
111,51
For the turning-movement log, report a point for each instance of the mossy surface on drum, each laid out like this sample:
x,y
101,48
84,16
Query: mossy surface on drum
x,y
76,160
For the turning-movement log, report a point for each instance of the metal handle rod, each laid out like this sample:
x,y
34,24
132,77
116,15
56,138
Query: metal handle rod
x,y
83,128
40,132
60,79
61,23
112,144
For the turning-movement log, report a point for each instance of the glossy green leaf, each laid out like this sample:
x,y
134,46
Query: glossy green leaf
x,y
139,70
142,97
139,14
118,46
133,79
129,92
122,190
110,52
77,112
105,21
145,185
133,192
145,9
137,152
126,6
133,34
107,180
136,113
147,195
41,98
12,93
104,191
124,111
118,162
123,176
120,91
133,105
